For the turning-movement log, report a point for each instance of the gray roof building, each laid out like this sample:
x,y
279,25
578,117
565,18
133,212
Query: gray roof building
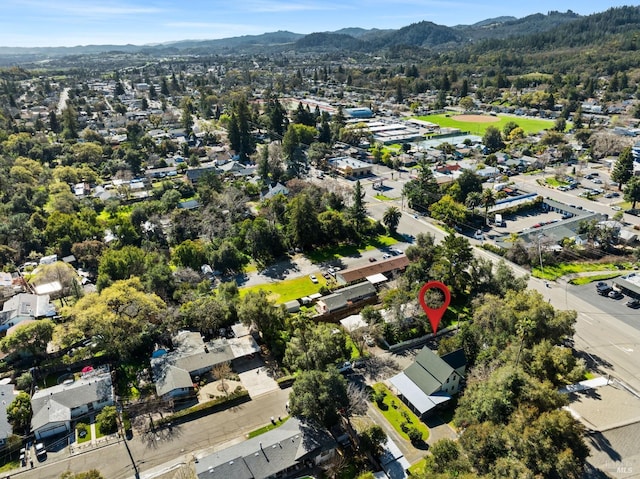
x,y
279,452
55,407
173,372
7,394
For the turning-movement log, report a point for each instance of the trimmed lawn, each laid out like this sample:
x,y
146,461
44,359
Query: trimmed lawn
x,y
267,428
382,197
397,413
283,291
529,125
552,272
87,438
328,254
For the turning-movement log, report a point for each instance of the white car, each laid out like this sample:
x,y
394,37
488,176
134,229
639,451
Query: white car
x,y
313,278
478,235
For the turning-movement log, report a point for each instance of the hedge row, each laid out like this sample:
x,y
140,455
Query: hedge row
x,y
206,408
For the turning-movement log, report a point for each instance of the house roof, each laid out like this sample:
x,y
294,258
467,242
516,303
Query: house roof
x,y
456,359
28,305
170,378
417,397
191,354
434,365
379,267
334,301
356,291
267,454
54,404
7,393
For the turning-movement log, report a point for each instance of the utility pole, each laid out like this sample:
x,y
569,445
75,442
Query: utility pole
x,y
124,439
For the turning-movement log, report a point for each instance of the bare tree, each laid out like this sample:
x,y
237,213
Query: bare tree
x,y
222,372
358,400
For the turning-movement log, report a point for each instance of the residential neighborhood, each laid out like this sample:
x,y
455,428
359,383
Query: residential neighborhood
x,y
211,261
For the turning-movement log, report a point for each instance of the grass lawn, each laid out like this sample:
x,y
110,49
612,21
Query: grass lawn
x,y
87,438
529,125
397,413
9,466
555,271
591,279
417,469
555,183
382,197
337,252
355,352
283,291
267,428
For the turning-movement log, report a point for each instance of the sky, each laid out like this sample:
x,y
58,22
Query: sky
x,y
30,23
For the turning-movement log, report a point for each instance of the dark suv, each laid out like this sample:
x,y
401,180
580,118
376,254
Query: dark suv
x,y
603,288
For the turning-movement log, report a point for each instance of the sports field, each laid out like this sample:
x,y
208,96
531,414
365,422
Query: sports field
x,y
477,124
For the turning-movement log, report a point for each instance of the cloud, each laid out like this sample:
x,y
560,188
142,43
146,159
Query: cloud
x,y
275,6
87,9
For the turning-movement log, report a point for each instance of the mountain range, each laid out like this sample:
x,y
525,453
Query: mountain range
x,y
423,34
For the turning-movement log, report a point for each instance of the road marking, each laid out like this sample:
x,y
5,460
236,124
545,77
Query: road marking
x,y
624,350
585,316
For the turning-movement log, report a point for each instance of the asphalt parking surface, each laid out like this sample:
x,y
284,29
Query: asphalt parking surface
x,y
604,305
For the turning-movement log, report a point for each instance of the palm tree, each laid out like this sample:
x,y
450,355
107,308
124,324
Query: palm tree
x,y
488,200
391,218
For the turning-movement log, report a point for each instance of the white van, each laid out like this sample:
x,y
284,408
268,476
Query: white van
x,y
498,220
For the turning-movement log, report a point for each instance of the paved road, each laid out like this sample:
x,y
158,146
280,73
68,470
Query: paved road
x,y
182,442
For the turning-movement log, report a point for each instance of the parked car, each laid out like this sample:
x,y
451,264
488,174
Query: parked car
x,y
41,451
386,256
479,236
372,260
603,288
345,367
633,303
313,278
613,294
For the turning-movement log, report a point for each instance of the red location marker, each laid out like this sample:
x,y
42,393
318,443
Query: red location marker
x,y
434,314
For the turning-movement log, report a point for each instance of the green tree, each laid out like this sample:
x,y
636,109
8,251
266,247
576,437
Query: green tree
x,y
488,200
449,211
319,396
423,191
122,317
469,182
315,347
492,139
107,420
632,191
623,168
269,319
391,218
19,413
372,439
302,222
30,337
358,211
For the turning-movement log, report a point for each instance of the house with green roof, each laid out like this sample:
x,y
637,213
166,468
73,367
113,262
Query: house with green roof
x,y
430,381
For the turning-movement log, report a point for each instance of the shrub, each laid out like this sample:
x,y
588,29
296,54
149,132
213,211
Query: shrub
x,y
414,434
24,381
107,420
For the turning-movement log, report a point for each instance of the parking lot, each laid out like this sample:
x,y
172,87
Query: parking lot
x,y
610,306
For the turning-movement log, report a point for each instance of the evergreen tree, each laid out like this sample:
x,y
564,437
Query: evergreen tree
x,y
358,211
623,168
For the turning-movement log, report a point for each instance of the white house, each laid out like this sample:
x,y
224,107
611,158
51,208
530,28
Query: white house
x,y
54,408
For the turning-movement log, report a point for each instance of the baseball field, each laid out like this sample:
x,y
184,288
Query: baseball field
x,y
477,124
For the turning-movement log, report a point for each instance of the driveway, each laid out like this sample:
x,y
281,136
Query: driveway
x,y
255,376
